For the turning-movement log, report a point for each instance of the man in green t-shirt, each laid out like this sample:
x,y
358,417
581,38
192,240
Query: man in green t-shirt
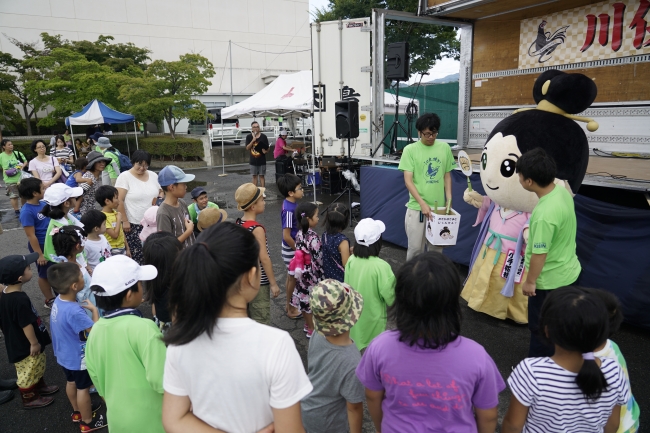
x,y
551,257
11,163
426,165
110,175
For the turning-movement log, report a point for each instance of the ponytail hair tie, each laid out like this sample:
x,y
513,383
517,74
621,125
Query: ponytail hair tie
x,y
588,356
302,214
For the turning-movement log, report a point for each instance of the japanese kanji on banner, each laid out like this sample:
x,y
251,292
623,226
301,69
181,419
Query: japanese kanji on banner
x,y
605,30
442,229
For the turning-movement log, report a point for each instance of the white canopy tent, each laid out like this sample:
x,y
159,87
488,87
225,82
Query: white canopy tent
x,y
287,95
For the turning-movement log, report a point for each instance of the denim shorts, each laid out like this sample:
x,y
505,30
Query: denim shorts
x,y
42,270
258,170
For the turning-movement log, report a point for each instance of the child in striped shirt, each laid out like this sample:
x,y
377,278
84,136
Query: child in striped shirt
x,y
572,390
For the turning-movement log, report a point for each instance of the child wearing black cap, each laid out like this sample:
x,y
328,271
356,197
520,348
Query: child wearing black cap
x,y
201,202
25,333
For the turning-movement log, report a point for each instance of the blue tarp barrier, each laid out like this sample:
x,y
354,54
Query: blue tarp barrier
x,y
613,242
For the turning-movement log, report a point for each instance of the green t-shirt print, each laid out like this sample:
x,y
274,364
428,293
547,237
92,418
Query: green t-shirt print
x,y
553,232
429,164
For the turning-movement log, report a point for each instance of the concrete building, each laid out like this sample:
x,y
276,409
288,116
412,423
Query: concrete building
x,y
268,37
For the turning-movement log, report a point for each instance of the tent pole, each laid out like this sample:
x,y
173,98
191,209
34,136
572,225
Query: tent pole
x,y
126,131
135,131
74,148
313,163
223,158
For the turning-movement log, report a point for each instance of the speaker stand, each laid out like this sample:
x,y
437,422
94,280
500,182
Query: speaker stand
x,y
394,128
348,187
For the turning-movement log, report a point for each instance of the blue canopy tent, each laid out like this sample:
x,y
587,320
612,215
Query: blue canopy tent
x,y
96,112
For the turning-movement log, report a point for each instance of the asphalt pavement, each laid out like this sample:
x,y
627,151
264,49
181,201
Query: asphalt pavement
x,y
505,341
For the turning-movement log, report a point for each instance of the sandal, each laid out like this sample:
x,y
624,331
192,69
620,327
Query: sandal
x,y
299,316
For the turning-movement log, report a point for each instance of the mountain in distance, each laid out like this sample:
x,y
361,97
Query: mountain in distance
x,y
448,79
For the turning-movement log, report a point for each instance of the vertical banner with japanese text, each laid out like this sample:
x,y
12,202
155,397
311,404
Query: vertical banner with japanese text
x,y
605,30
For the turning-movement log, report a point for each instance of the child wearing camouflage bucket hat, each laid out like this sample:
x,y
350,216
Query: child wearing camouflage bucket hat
x,y
336,401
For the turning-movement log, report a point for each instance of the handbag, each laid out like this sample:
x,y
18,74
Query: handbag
x,y
64,174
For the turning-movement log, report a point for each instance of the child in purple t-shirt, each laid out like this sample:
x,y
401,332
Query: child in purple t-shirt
x,y
290,187
434,380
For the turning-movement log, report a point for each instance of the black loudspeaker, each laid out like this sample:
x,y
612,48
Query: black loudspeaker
x,y
347,119
397,63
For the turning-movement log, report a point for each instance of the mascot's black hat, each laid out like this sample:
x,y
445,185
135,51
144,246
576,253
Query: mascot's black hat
x,y
552,124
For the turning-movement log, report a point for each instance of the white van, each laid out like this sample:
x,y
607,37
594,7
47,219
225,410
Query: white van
x,y
233,129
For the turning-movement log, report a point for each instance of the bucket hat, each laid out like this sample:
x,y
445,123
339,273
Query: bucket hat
x,y
336,307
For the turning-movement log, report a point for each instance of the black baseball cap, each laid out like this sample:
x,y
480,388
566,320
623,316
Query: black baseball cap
x,y
196,192
13,267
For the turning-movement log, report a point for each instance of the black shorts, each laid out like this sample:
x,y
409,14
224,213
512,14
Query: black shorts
x,y
81,378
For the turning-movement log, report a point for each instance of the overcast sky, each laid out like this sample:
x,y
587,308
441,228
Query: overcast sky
x,y
441,69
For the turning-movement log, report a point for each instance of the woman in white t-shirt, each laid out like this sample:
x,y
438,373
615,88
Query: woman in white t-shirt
x,y
223,369
44,167
571,391
137,189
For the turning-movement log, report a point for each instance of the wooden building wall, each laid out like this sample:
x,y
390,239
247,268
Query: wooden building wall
x,y
496,48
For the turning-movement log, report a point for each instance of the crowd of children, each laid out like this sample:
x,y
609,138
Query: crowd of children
x,y
211,358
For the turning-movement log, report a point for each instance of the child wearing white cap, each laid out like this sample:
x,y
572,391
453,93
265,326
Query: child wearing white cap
x,y
373,278
125,355
59,200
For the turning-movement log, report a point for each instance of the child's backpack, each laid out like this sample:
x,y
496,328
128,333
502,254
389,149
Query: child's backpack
x,y
72,182
125,162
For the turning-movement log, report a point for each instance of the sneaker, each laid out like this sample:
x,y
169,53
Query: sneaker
x,y
76,415
98,422
308,334
305,329
49,303
17,212
92,390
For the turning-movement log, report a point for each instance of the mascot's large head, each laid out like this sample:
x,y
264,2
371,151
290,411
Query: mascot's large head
x,y
551,126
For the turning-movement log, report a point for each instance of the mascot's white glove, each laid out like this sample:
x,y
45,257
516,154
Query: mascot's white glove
x,y
473,198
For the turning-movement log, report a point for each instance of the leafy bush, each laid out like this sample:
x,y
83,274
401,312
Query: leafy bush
x,y
163,147
160,147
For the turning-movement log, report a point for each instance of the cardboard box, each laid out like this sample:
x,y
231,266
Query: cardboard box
x,y
442,230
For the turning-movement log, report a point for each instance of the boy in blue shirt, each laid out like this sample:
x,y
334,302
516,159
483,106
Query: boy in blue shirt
x,y
70,324
290,187
35,225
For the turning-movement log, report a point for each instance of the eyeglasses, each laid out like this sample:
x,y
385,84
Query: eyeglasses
x,y
143,165
429,134
40,147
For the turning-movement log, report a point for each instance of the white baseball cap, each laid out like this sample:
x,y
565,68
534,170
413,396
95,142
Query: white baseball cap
x,y
60,192
368,231
118,273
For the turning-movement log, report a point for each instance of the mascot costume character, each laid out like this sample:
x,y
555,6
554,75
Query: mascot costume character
x,y
497,264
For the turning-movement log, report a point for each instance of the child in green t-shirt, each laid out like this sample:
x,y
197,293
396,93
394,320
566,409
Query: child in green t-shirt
x,y
373,278
630,412
200,202
551,257
125,354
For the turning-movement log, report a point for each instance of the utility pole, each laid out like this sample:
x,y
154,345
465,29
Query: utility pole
x,y
232,99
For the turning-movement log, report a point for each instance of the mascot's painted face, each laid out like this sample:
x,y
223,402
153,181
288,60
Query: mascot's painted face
x,y
499,177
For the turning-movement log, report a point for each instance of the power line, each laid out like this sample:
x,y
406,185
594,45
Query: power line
x,y
292,37
224,68
269,52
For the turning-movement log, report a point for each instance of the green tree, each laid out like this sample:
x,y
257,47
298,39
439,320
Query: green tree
x,y
167,90
10,118
118,57
68,81
15,76
427,43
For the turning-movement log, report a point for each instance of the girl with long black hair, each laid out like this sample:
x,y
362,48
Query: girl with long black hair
x,y
224,370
